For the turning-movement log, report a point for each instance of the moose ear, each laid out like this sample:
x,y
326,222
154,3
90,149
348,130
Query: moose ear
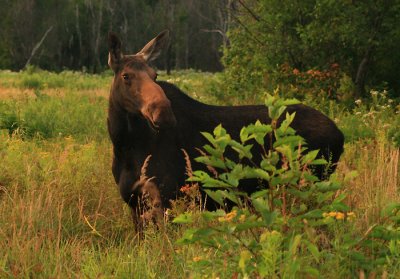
x,y
114,51
153,48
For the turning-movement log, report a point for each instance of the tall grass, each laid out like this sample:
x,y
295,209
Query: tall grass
x,y
48,117
378,181
61,215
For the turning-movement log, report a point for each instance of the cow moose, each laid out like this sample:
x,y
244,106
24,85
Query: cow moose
x,y
154,118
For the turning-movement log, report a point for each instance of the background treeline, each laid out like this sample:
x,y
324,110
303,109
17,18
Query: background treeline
x,y
336,48
74,32
339,48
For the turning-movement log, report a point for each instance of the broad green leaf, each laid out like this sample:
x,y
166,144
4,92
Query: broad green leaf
x,y
232,197
318,162
184,218
309,157
312,214
219,131
209,137
313,249
390,209
245,257
211,215
216,196
261,193
294,245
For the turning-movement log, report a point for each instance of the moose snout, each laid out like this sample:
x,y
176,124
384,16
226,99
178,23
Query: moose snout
x,y
161,116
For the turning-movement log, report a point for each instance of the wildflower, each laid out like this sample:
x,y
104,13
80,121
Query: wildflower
x,y
230,215
185,189
351,216
339,216
296,72
358,102
242,218
358,112
374,92
332,214
197,259
390,101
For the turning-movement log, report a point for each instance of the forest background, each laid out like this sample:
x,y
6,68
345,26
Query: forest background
x,y
348,43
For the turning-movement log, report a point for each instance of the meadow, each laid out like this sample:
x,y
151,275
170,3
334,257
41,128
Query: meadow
x,y
61,215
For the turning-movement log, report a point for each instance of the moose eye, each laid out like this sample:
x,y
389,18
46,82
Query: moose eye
x,y
125,76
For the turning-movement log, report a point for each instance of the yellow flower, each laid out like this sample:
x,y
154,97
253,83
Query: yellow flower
x,y
351,216
242,218
332,214
339,216
221,219
230,215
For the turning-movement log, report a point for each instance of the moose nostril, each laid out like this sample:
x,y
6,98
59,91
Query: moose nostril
x,y
163,117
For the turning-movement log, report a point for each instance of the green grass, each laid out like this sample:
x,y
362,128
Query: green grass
x,y
61,215
46,116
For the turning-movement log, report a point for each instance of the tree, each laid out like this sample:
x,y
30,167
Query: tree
x,y
311,34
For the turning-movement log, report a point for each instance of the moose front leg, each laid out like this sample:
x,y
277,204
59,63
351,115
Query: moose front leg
x,y
146,207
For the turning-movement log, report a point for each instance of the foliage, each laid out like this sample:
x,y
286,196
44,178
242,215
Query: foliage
x,y
61,214
273,39
375,118
294,222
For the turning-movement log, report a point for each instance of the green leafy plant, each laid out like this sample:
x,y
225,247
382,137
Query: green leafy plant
x,y
293,223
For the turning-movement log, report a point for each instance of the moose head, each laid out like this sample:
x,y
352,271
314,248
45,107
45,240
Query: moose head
x,y
134,86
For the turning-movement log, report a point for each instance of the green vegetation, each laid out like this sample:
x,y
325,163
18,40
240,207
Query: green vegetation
x,y
320,46
61,214
296,225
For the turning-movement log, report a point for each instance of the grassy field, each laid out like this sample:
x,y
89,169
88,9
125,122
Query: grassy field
x,y
60,211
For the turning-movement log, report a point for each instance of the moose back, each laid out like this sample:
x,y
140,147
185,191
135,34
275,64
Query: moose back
x,y
148,117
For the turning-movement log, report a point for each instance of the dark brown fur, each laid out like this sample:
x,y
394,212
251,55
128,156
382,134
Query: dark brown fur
x,y
156,118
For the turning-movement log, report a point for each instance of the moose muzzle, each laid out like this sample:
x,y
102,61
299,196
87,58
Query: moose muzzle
x,y
156,107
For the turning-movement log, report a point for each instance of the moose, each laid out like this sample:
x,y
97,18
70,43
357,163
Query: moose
x,y
150,122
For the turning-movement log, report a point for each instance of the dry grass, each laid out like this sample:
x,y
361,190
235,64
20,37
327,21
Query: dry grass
x,y
377,183
61,216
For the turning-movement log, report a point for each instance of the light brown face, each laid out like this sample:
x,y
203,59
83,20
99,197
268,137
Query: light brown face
x,y
134,87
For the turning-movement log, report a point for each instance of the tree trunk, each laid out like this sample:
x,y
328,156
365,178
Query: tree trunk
x,y
362,74
37,46
79,34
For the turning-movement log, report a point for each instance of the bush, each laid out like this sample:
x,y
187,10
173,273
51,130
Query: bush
x,y
298,226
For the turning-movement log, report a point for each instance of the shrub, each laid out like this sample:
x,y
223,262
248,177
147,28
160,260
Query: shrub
x,y
297,226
